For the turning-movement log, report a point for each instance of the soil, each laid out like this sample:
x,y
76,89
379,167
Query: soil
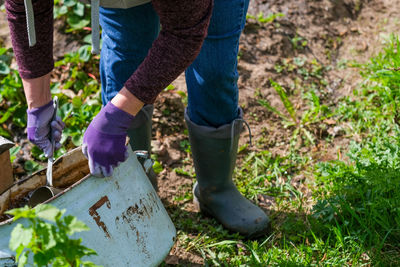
x,y
326,31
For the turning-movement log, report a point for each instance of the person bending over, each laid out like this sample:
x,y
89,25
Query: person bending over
x,y
146,45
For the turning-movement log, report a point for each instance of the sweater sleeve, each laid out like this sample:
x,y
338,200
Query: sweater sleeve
x,y
36,61
184,26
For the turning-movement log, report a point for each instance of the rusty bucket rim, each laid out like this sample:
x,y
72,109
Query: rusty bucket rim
x,y
63,191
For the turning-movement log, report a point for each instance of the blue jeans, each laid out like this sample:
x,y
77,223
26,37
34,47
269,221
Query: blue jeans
x,y
211,79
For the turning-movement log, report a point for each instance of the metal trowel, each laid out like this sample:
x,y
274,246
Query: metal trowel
x,y
44,193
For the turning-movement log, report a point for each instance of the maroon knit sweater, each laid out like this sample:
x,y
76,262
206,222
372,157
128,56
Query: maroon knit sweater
x,y
184,26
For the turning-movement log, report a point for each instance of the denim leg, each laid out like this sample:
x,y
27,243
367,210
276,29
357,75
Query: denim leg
x,y
212,78
127,36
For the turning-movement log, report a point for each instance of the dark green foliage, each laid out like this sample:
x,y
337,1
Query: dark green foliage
x,y
76,14
12,99
46,238
363,197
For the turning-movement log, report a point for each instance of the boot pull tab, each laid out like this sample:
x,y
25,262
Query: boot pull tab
x,y
233,131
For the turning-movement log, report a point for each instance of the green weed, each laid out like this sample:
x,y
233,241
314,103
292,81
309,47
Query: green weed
x,y
261,18
301,124
75,13
12,99
362,199
373,110
46,238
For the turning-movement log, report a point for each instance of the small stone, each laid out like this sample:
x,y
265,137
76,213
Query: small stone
x,y
158,148
172,260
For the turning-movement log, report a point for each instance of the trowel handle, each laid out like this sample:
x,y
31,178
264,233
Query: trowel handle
x,y
55,105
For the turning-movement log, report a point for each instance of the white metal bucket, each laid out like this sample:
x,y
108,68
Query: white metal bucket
x,y
129,225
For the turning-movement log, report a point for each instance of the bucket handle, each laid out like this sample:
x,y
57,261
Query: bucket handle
x,y
148,162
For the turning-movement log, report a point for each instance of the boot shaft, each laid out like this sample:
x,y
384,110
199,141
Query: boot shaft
x,y
214,153
140,138
140,131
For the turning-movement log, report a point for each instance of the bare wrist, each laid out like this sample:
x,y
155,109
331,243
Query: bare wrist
x,y
126,101
37,91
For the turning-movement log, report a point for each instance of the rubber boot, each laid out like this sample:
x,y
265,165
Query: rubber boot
x,y
214,153
140,137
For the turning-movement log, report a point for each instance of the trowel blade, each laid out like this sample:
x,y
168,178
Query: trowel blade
x,y
49,173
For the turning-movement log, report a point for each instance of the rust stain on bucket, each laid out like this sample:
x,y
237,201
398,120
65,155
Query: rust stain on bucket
x,y
93,212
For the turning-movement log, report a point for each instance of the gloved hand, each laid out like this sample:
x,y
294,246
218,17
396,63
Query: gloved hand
x,y
104,140
41,127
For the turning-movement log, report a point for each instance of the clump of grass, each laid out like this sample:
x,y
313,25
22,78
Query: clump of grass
x,y
362,199
373,110
359,200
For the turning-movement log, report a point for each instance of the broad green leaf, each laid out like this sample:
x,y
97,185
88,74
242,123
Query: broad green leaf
x,y
48,212
76,102
43,258
63,10
88,39
66,109
79,9
24,212
46,233
77,139
20,236
157,167
37,153
19,116
55,88
74,225
4,68
23,260
18,252
3,50
85,53
31,166
8,114
77,22
13,153
69,3
4,133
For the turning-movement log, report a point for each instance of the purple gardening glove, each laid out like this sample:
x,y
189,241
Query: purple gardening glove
x,y
104,140
41,127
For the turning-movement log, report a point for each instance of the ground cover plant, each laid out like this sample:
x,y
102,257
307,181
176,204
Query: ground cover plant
x,y
325,160
46,238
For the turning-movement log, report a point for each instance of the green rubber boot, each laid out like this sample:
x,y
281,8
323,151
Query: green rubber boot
x,y
214,154
140,137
